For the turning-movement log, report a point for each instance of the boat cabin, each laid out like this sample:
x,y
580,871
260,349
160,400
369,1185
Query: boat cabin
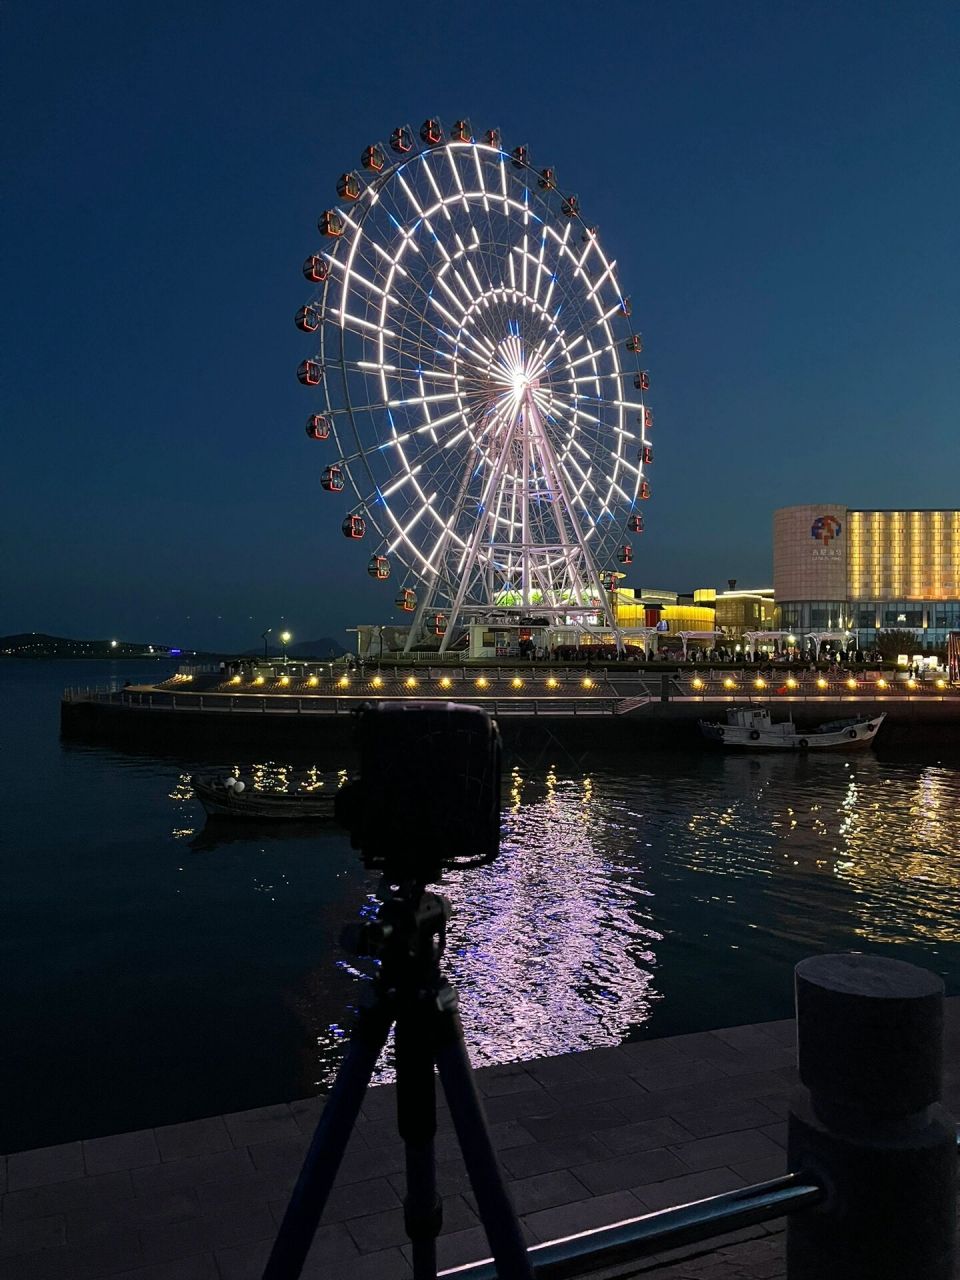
x,y
757,720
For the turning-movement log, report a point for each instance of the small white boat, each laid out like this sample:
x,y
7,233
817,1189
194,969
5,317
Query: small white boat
x,y
231,797
751,728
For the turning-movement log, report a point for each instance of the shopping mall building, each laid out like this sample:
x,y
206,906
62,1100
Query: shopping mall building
x,y
836,568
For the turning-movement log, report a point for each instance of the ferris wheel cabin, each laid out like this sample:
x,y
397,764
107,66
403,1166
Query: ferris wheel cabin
x,y
309,373
417,464
318,427
316,268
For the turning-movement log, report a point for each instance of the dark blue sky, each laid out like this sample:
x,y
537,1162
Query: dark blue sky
x,y
779,183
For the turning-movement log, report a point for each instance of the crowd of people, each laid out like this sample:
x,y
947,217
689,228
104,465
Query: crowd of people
x,y
794,657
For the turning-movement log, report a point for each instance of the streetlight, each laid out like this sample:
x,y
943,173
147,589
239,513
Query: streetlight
x,y
285,638
264,639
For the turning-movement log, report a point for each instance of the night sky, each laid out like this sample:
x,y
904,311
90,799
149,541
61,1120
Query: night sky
x,y
778,182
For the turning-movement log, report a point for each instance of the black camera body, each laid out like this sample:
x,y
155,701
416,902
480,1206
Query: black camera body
x,y
428,795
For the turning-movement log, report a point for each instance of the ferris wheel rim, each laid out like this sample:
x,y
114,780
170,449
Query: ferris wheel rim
x,y
357,216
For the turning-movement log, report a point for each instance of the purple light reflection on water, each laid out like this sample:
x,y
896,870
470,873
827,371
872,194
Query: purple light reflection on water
x,y
195,968
678,895
551,947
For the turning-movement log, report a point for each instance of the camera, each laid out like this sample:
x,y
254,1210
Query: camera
x,y
428,794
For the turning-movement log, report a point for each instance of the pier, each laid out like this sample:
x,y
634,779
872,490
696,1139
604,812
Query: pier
x,y
585,1139
636,708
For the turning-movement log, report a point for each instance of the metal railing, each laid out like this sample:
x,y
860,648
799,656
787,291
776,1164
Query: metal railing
x,y
331,704
633,1239
516,690
870,1145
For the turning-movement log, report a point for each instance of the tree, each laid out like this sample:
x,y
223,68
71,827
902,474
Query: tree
x,y
896,641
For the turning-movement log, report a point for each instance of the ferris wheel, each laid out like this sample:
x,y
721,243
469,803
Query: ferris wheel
x,y
475,399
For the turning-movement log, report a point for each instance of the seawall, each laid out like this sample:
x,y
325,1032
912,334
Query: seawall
x,y
927,723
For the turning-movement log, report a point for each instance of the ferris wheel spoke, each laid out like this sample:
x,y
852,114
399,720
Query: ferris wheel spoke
x,y
474,380
458,181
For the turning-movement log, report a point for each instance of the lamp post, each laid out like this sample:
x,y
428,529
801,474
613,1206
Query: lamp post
x,y
264,639
285,638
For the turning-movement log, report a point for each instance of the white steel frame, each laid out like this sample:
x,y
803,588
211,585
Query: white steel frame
x,y
472,340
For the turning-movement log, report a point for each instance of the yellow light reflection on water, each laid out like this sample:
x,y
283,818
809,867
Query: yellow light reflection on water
x,y
897,848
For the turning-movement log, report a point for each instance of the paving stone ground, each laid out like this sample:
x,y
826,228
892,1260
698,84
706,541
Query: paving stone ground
x,y
585,1139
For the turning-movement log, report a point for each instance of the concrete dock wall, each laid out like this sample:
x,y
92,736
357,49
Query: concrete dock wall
x,y
911,723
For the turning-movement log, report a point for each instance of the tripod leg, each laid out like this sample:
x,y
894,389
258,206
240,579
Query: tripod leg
x,y
327,1146
497,1213
417,1122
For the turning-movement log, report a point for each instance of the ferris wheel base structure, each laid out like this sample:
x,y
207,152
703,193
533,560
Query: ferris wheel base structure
x,y
507,634
481,400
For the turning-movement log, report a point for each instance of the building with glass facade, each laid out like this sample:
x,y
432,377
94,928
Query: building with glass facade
x,y
837,568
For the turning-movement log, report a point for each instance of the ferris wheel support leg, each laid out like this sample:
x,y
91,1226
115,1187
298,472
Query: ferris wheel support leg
x,y
473,547
416,626
552,468
525,537
548,463
439,558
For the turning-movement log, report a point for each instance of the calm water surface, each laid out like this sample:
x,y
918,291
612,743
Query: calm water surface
x,y
151,972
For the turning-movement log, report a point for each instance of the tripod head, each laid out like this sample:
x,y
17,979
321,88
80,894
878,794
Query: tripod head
x,y
428,794
407,937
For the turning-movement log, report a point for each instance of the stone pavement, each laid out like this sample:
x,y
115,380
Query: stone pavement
x,y
585,1139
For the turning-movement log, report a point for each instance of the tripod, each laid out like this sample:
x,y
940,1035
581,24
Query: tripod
x,y
408,936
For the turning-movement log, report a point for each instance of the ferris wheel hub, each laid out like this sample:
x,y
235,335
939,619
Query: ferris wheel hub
x,y
472,379
516,371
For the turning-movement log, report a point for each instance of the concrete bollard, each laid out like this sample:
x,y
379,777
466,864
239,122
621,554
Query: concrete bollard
x,y
869,1126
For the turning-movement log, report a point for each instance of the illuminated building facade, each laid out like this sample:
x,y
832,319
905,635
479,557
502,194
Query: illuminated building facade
x,y
737,612
729,613
836,568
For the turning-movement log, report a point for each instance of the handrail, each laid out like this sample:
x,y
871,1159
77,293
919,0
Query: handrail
x,y
630,1240
636,1238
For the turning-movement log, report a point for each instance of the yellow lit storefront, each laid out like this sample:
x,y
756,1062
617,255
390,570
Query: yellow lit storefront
x,y
648,610
732,612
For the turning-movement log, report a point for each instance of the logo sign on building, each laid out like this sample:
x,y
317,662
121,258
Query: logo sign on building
x,y
825,531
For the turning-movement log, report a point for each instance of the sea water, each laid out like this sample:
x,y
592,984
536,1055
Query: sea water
x,y
153,969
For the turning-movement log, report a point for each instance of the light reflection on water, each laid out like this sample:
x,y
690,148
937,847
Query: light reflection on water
x,y
619,901
550,947
155,969
556,934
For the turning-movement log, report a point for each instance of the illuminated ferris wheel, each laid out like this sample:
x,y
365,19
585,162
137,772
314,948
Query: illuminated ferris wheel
x,y
475,394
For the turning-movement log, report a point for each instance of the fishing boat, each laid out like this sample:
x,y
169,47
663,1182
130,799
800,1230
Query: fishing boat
x,y
751,729
231,797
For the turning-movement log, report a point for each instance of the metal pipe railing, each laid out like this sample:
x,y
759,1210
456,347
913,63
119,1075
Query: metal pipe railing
x,y
577,1256
635,1238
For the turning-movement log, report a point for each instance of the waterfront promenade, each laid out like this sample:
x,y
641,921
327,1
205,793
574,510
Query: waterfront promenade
x,y
629,706
585,1139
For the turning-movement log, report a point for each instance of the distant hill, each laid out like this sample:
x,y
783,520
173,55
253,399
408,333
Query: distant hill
x,y
35,644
